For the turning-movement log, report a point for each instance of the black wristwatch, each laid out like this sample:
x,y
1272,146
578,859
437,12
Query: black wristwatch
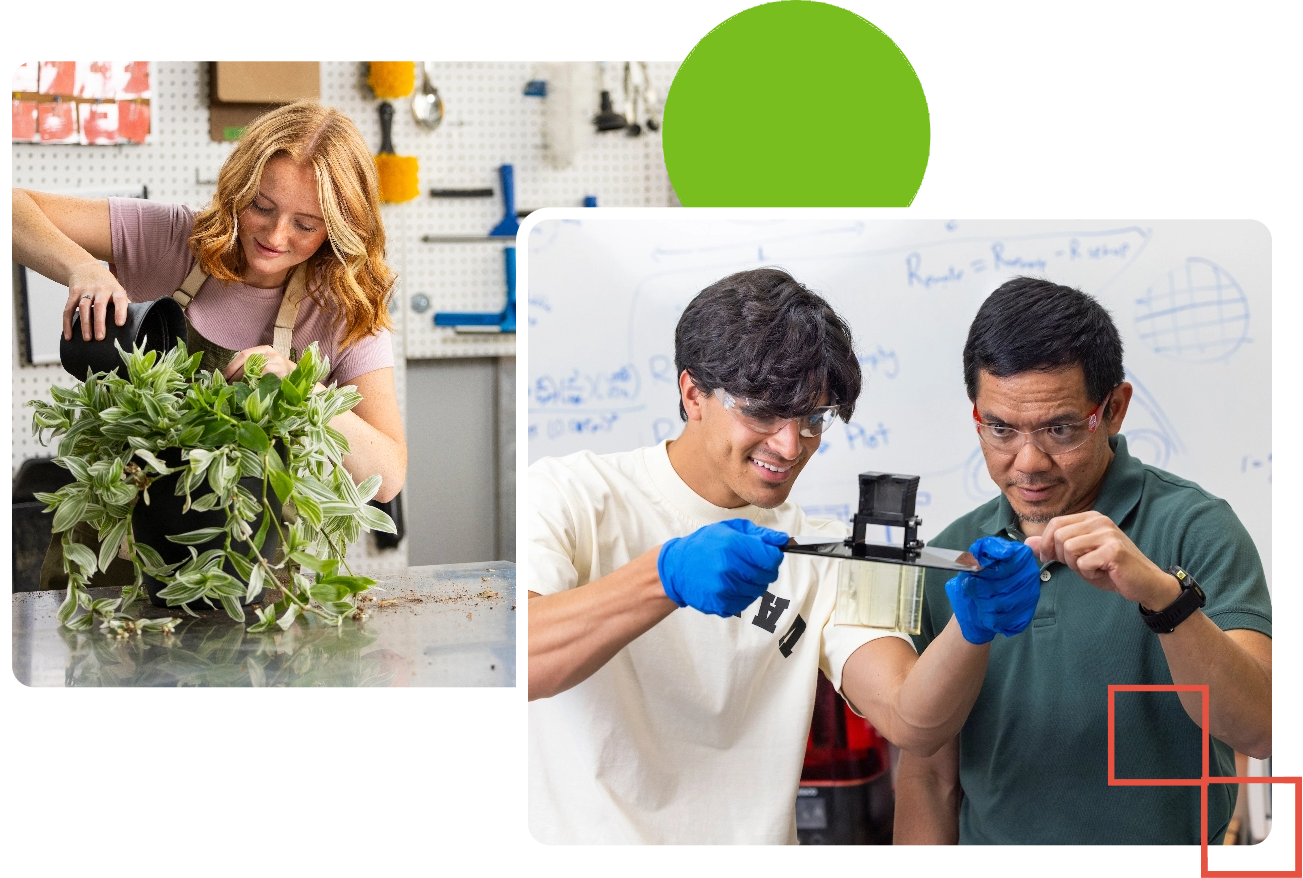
x,y
1192,598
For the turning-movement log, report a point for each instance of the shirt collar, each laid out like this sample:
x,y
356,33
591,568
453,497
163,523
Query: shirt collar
x,y
1118,494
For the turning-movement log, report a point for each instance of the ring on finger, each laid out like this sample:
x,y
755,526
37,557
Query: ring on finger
x,y
88,297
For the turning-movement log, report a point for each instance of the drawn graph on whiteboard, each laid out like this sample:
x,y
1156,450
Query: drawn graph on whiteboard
x,y
1196,312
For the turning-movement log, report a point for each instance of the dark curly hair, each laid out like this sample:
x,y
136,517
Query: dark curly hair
x,y
762,335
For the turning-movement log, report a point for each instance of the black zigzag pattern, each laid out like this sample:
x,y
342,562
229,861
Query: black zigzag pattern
x,y
415,730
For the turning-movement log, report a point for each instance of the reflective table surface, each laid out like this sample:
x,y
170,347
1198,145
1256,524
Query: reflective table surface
x,y
449,625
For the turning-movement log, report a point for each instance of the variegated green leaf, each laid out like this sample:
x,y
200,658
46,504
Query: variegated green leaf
x,y
196,537
71,510
111,542
81,556
255,579
374,519
232,607
157,465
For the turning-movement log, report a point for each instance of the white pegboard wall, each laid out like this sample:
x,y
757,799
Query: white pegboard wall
x,y
488,122
178,147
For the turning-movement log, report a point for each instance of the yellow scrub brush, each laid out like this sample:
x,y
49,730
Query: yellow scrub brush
x,y
398,173
391,80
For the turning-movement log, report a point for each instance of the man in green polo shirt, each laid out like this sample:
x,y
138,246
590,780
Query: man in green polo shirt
x,y
1121,545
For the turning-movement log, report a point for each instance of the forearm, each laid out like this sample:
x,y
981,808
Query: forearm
x,y
372,452
1239,683
927,798
1235,665
40,245
575,632
923,702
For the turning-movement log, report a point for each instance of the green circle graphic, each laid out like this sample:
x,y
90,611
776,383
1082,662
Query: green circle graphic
x,y
796,104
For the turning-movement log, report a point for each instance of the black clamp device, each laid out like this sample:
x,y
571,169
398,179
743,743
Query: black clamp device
x,y
886,499
1191,598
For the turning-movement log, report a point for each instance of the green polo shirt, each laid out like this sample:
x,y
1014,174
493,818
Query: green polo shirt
x,y
1033,753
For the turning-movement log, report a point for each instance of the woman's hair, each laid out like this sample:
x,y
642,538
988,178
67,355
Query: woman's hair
x,y
348,272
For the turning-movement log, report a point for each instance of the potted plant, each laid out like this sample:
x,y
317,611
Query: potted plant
x,y
255,457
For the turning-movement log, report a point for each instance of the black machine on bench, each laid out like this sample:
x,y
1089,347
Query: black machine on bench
x,y
885,499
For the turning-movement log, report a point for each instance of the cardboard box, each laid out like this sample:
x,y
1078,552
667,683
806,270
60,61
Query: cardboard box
x,y
241,91
266,82
226,122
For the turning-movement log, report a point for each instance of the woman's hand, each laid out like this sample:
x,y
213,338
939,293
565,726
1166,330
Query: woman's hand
x,y
276,364
91,287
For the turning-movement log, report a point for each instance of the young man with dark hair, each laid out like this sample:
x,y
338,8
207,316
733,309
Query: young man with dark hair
x,y
1146,579
672,663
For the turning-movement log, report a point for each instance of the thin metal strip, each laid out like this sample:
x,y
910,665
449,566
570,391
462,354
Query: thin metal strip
x,y
943,559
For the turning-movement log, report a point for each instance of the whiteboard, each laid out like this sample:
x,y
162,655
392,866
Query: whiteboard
x,y
1192,300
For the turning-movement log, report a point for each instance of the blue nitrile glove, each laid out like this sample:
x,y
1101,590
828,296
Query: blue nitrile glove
x,y
720,568
1000,598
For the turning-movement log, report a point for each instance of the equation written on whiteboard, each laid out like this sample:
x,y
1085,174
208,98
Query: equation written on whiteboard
x,y
574,391
880,361
586,425
1252,464
1024,256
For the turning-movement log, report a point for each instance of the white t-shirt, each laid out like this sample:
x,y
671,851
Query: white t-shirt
x,y
696,731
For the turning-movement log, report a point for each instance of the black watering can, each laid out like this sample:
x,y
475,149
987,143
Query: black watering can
x,y
155,326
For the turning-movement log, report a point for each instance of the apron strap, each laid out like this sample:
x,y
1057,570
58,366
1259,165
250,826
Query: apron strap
x,y
283,334
190,287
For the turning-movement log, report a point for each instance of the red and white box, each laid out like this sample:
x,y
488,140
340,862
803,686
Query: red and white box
x,y
99,123
24,128
131,79
57,122
94,79
26,76
133,121
58,78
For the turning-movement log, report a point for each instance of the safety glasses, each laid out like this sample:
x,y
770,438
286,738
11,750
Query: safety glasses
x,y
1054,439
810,424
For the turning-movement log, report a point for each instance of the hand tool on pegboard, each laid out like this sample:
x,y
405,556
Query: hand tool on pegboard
x,y
397,173
509,225
502,321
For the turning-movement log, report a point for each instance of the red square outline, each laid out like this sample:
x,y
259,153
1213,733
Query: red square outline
x,y
1203,782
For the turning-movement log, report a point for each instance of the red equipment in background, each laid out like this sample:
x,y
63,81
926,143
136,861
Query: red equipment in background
x,y
845,795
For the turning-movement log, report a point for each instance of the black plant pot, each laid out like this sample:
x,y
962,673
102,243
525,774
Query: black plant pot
x,y
151,525
156,326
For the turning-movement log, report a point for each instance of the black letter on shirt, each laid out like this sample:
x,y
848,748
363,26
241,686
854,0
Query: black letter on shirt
x,y
771,607
793,634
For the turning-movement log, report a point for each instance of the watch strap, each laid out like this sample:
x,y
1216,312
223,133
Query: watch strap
x,y
1192,598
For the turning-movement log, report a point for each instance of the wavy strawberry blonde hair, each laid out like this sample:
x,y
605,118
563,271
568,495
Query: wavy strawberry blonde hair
x,y
348,273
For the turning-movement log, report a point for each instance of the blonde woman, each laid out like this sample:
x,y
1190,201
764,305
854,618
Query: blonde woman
x,y
290,251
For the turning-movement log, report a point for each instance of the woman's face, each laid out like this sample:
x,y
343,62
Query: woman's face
x,y
283,225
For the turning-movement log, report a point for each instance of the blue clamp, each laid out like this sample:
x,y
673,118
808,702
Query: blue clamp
x,y
509,225
504,321
536,88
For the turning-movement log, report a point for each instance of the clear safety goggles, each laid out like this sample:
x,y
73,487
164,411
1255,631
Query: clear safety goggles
x,y
1053,439
810,424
